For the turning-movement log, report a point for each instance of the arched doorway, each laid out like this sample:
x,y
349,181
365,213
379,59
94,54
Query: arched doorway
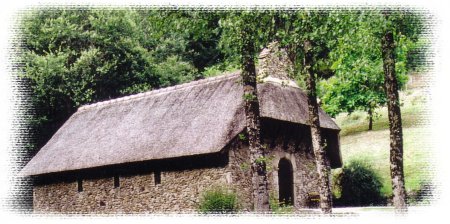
x,y
285,182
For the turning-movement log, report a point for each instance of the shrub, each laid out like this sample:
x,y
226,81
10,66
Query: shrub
x,y
359,185
219,200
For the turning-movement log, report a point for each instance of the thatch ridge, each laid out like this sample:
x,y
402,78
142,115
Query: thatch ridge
x,y
159,91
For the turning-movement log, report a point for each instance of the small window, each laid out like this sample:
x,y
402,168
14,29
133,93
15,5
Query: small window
x,y
157,177
80,185
116,181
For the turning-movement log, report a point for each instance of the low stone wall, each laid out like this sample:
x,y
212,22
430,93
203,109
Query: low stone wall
x,y
178,191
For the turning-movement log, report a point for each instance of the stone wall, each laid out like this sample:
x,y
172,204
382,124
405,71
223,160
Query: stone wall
x,y
178,191
239,169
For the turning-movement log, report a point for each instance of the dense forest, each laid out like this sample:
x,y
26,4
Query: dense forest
x,y
73,57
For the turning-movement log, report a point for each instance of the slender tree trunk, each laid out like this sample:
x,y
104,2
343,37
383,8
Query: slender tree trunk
x,y
395,122
257,154
370,112
322,162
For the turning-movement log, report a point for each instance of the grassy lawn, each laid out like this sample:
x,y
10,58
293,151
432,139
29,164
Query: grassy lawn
x,y
373,146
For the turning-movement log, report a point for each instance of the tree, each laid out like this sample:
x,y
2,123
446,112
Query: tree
x,y
257,154
357,83
392,29
322,162
395,119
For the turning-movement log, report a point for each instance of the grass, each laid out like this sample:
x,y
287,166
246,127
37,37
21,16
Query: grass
x,y
357,143
413,110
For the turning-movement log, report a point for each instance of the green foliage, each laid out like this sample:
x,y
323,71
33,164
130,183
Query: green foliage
x,y
219,200
358,185
256,22
219,69
109,53
249,97
173,71
242,137
358,67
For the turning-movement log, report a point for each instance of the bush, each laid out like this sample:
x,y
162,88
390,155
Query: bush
x,y
219,200
359,185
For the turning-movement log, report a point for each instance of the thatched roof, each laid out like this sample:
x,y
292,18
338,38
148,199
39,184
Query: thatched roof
x,y
200,117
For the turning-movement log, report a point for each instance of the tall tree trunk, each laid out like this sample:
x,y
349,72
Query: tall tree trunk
x,y
395,122
257,154
370,112
322,162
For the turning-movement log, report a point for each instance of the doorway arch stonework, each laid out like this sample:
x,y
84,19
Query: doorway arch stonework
x,y
277,156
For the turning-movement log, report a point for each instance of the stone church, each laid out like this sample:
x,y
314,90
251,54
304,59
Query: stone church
x,y
158,151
